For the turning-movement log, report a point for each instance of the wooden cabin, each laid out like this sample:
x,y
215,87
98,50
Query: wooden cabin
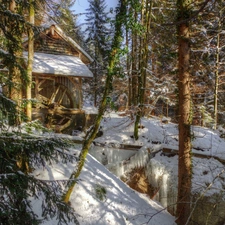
x,y
58,68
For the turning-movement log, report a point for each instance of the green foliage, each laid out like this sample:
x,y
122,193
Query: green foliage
x,y
136,4
184,9
67,19
21,153
206,116
111,103
13,25
118,69
8,111
100,192
35,126
98,30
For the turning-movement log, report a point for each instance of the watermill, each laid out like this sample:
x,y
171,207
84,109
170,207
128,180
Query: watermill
x,y
56,103
59,66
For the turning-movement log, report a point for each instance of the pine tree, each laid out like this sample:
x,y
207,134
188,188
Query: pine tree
x,y
218,38
66,18
20,154
133,25
97,31
207,60
152,78
13,26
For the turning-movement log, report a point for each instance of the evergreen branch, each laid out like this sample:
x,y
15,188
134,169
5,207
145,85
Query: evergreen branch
x,y
18,186
204,4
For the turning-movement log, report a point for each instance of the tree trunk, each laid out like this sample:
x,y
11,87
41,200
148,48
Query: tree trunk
x,y
128,65
216,87
184,163
134,81
30,61
14,87
95,82
15,83
113,59
143,62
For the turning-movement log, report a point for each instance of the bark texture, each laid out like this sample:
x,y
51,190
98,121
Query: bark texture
x,y
184,163
14,47
30,61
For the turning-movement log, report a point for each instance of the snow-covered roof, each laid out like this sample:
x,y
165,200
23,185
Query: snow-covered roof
x,y
62,65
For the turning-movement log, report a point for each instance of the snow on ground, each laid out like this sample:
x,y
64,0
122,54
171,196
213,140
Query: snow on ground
x,y
155,135
121,205
100,198
119,129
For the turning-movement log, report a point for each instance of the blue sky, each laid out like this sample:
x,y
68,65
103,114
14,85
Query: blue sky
x,y
81,5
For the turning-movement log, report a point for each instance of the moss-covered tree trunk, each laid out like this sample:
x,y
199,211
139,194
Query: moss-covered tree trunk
x,y
134,56
14,48
143,61
30,61
113,59
184,161
128,65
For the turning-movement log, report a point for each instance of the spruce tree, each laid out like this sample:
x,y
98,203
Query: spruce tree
x,y
207,65
66,18
21,153
13,25
97,29
97,40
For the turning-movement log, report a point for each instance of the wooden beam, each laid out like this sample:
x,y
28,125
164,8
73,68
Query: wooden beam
x,y
61,111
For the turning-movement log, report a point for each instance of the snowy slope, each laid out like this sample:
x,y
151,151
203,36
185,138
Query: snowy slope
x,y
120,205
208,150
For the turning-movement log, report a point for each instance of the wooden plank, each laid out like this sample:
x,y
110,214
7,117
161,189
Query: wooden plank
x,y
118,146
60,111
171,152
66,111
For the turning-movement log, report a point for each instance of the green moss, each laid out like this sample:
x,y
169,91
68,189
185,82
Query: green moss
x,y
100,192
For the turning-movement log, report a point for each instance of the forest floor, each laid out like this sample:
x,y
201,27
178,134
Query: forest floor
x,y
101,198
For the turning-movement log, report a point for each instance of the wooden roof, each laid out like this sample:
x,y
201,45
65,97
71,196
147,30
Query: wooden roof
x,y
54,41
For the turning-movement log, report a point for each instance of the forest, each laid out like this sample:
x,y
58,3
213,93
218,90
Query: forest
x,y
143,59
